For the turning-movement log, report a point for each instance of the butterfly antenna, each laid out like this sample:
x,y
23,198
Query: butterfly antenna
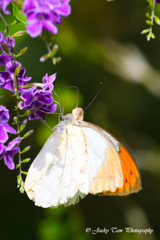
x,y
96,94
100,84
77,93
61,108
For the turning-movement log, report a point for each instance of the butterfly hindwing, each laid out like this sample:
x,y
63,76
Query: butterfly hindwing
x,y
116,172
104,167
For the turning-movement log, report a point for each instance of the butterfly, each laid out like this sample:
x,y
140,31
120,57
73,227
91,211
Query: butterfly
x,y
77,159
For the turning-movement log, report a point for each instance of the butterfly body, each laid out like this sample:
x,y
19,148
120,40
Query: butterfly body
x,y
80,158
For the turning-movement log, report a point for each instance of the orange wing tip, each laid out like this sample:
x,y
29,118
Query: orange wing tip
x,y
130,171
122,191
119,192
131,176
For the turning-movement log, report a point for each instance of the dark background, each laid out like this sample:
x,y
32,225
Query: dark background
x,y
99,42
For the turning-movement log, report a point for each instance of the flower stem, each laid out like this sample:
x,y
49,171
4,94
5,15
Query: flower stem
x,y
17,92
152,19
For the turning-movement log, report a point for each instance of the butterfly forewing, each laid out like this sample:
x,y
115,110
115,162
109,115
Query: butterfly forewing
x,y
58,171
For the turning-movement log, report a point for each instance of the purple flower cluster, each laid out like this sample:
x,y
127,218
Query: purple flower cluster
x,y
157,1
8,80
6,49
44,15
7,77
7,152
3,5
39,101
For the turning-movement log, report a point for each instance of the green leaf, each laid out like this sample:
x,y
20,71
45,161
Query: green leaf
x,y
149,23
23,125
25,114
27,134
26,160
21,52
22,183
17,70
25,173
150,35
150,2
56,60
148,15
18,165
17,11
19,180
15,108
15,120
28,85
21,189
5,47
145,31
18,34
26,149
13,23
153,36
157,20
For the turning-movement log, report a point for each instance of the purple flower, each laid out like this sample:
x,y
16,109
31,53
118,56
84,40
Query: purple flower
x,y
8,80
4,114
62,7
157,1
2,150
41,20
3,5
39,101
6,45
6,48
2,38
48,81
4,59
44,15
10,151
42,111
4,127
7,152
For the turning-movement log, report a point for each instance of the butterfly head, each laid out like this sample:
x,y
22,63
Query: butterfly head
x,y
78,114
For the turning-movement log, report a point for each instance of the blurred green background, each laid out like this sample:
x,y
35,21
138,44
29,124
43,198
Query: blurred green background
x,y
99,42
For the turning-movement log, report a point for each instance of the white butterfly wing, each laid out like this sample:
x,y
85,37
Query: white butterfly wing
x,y
111,168
59,169
104,165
